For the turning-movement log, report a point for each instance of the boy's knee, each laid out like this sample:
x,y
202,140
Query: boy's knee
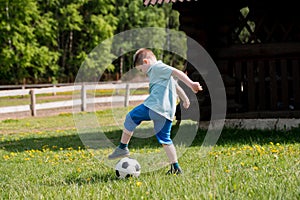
x,y
129,124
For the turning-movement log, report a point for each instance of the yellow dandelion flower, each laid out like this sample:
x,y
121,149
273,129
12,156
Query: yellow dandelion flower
x,y
139,183
13,154
6,157
274,151
255,168
56,157
227,170
242,164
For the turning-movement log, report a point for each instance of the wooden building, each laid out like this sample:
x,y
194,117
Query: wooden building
x,y
256,47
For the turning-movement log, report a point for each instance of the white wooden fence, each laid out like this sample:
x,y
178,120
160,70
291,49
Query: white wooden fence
x,y
82,100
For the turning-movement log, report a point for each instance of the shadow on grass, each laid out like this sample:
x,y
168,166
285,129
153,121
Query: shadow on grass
x,y
228,137
54,143
79,179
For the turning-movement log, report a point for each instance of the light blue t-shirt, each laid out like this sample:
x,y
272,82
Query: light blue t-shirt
x,y
162,86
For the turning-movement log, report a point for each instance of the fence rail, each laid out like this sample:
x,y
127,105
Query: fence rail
x,y
81,99
27,86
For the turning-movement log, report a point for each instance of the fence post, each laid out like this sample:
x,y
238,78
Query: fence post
x,y
32,103
23,88
54,90
83,98
127,93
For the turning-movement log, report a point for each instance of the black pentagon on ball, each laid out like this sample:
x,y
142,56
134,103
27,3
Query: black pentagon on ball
x,y
117,173
125,165
128,176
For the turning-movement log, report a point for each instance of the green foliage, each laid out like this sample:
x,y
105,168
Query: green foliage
x,y
245,35
47,41
22,52
131,15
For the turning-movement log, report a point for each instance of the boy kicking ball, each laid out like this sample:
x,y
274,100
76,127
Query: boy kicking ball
x,y
159,107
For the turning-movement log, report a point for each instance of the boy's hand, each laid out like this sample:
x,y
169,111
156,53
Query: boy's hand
x,y
186,104
196,87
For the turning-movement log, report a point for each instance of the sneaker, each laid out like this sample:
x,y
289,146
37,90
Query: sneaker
x,y
174,171
119,153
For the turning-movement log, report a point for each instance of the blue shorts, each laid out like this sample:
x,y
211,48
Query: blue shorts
x,y
162,126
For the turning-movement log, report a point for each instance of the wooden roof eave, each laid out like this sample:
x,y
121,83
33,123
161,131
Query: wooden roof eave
x,y
155,2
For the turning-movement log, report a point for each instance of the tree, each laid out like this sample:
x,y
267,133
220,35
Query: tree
x,y
133,14
22,55
83,25
48,41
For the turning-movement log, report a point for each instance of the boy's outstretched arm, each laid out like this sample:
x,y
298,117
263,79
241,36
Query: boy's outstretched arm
x,y
182,96
195,86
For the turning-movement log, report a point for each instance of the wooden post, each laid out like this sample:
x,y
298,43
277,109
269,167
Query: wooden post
x,y
251,86
262,85
83,98
296,83
273,85
127,93
23,88
284,85
54,90
239,77
32,103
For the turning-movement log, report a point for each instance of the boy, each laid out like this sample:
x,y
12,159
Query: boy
x,y
159,106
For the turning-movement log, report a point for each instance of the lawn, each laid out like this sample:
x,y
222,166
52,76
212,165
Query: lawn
x,y
44,158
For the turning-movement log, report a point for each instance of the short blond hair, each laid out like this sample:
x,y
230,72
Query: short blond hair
x,y
141,54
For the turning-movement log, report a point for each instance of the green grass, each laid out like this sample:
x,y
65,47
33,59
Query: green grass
x,y
44,158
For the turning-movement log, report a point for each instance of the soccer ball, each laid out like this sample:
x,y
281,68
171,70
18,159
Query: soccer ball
x,y
128,167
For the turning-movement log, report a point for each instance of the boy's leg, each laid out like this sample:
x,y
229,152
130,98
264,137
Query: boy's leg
x,y
171,153
172,156
126,136
133,119
163,128
122,150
